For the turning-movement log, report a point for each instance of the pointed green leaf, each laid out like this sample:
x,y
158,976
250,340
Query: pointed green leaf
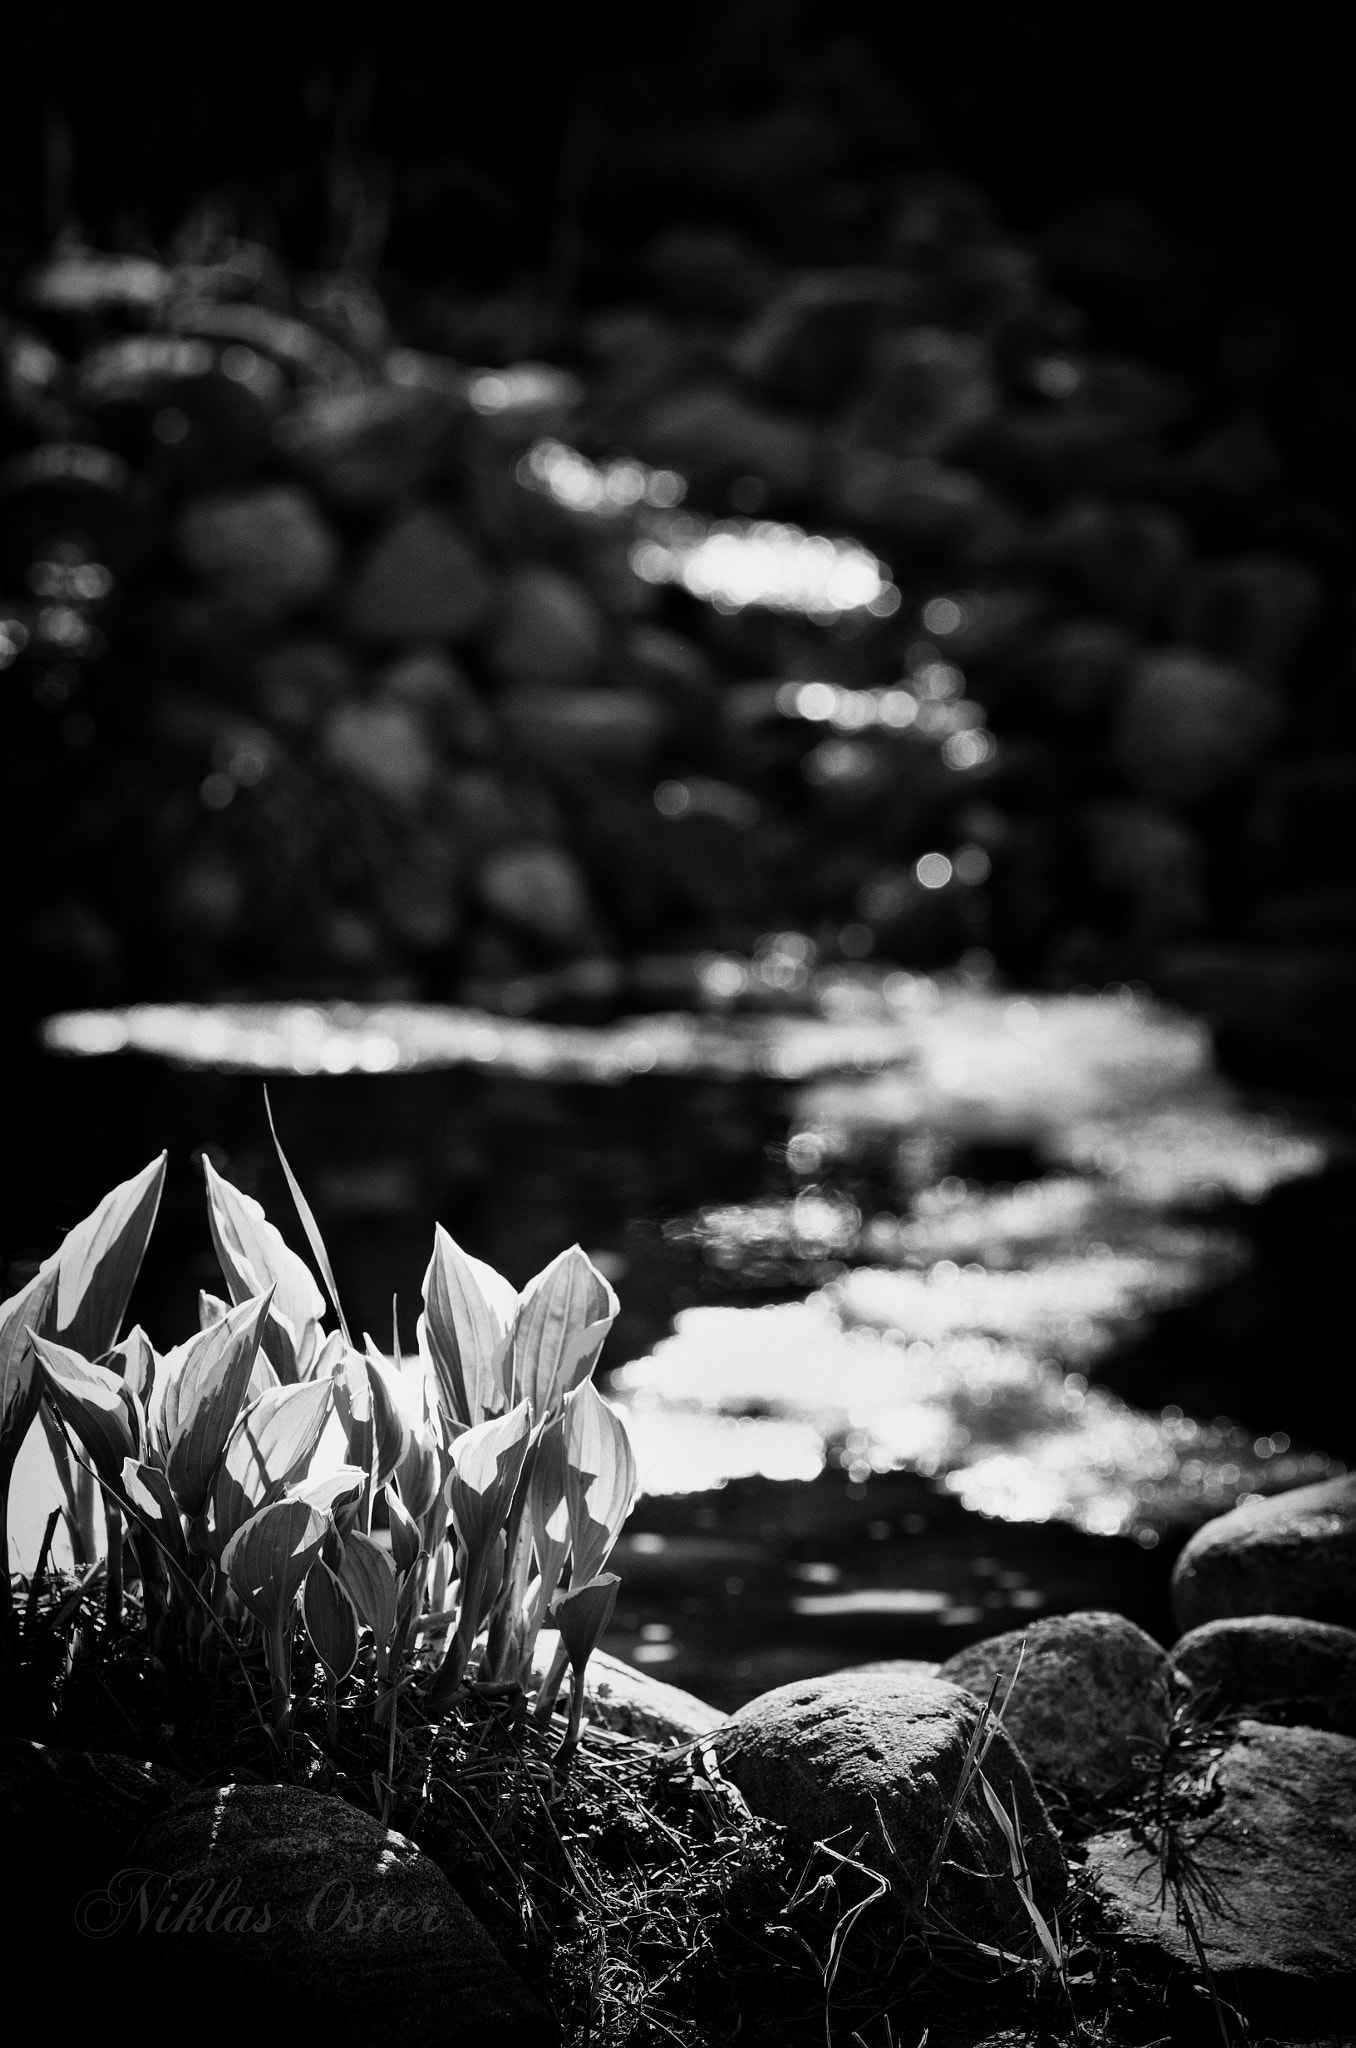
x,y
331,1621
548,1509
135,1360
209,1393
390,1423
369,1578
582,1614
253,1255
486,1463
269,1556
95,1403
21,1380
333,1493
270,1447
600,1478
419,1475
211,1309
564,1315
466,1332
147,1492
98,1262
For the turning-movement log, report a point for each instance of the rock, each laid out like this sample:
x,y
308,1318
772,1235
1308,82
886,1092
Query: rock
x,y
927,390
68,1818
429,682
421,580
1093,1694
1274,1667
1273,1837
812,339
708,270
713,436
295,682
1278,1010
1152,864
1079,668
344,1927
266,550
1257,610
547,631
631,1702
540,891
616,729
839,1756
1292,1554
365,449
672,668
1129,557
1189,725
929,503
384,746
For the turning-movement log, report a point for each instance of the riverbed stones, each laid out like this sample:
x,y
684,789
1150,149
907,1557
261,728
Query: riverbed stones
x,y
1274,1667
1093,1694
264,551
862,1756
1292,1554
422,579
333,1923
1269,1825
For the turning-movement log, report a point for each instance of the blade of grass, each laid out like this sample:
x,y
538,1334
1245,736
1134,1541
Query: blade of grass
x,y
308,1222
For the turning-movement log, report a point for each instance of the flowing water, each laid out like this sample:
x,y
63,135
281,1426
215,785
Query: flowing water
x,y
943,1307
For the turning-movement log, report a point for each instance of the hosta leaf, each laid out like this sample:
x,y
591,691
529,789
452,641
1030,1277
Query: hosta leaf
x,y
211,1308
95,1403
135,1360
600,1478
308,1222
271,1445
466,1332
390,1424
486,1463
333,1493
147,1492
405,1543
252,1255
547,1508
21,1380
98,1262
564,1315
369,1578
269,1556
209,1392
582,1614
331,1621
419,1475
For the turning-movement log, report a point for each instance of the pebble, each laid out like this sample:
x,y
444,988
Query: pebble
x,y
266,550
547,631
421,580
1190,725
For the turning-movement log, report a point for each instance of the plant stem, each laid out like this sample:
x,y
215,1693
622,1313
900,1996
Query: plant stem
x,y
113,1583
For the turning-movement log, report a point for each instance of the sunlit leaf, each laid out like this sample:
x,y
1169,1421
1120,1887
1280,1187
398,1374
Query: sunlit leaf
x,y
95,1403
211,1309
369,1578
148,1495
308,1222
271,1445
486,1463
600,1478
21,1380
269,1556
466,1332
548,1509
564,1315
332,1493
582,1614
331,1621
419,1475
405,1544
390,1423
98,1262
208,1394
134,1358
253,1256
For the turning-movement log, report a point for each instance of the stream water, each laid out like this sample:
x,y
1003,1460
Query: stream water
x,y
943,1307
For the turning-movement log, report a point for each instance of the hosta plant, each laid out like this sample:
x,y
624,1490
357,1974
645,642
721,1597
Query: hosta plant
x,y
268,1476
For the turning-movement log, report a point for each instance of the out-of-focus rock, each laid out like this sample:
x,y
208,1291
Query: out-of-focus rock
x,y
299,679
480,810
1128,557
547,631
709,270
1273,1667
1150,862
810,341
1093,1695
205,897
1282,1013
366,449
382,745
848,1755
540,891
1292,1554
1079,668
421,580
1190,725
616,729
1272,1844
265,551
713,436
926,391
1257,610
669,665
430,683
927,503
419,893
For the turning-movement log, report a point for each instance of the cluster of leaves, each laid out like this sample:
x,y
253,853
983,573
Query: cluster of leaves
x,y
501,1475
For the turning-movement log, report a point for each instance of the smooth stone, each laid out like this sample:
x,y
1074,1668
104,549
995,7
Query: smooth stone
x,y
342,1927
1257,610
618,729
842,1756
266,550
630,1702
812,338
421,580
539,890
713,435
1274,1667
1093,1693
547,632
385,747
297,680
365,449
927,391
1294,1553
1190,725
1274,1839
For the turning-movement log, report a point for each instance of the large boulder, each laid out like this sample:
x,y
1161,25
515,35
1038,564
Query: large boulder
x,y
630,1702
1269,1830
340,1927
1093,1694
846,1756
1292,1554
1274,1667
421,580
